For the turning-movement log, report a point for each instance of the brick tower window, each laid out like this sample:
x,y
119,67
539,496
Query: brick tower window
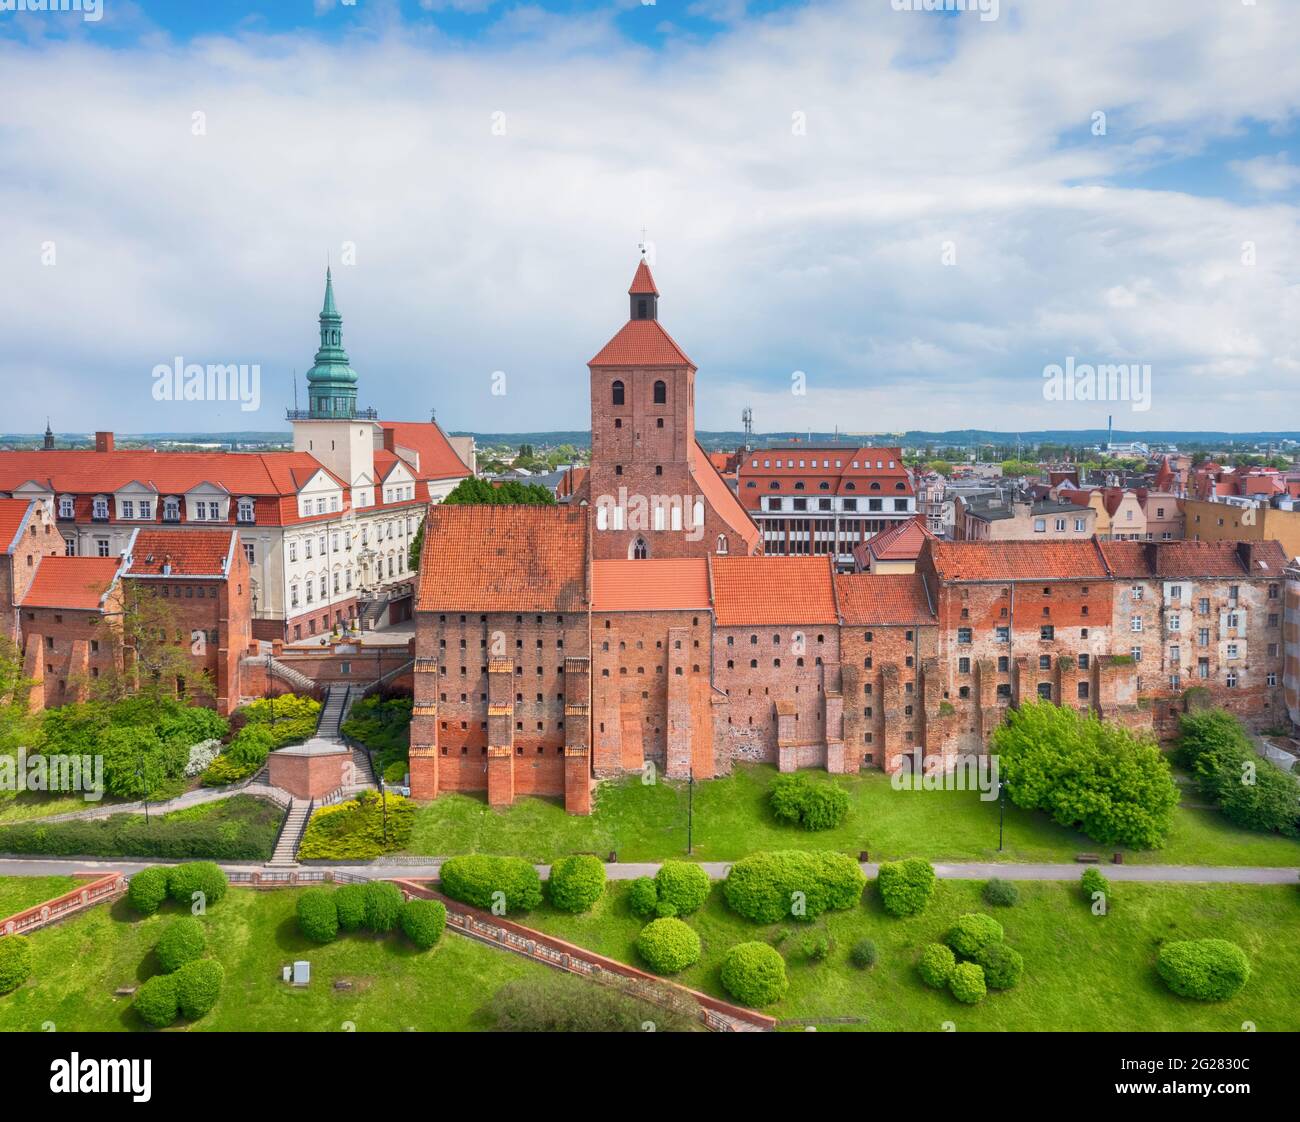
x,y
618,393
661,393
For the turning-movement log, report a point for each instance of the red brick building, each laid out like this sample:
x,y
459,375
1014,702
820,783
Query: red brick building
x,y
26,534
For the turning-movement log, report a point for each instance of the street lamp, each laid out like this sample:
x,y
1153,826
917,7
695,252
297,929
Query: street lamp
x,y
1002,807
383,804
690,812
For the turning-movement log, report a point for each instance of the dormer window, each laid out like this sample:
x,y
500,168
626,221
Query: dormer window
x,y
171,510
99,508
65,506
245,510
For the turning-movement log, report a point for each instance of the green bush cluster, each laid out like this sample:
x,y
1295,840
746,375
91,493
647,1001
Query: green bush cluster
x,y
1204,969
905,886
318,915
181,942
358,827
423,921
576,883
974,960
678,888
668,945
476,878
190,984
1251,791
796,800
198,880
15,962
972,932
1001,893
966,983
767,887
642,897
754,974
936,964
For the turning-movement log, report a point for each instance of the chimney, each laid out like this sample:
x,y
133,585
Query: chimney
x,y
390,441
103,442
1245,554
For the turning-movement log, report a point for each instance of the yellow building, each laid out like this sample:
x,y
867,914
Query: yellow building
x,y
1217,522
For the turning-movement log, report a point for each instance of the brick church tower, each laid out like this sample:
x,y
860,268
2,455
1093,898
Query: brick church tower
x,y
654,492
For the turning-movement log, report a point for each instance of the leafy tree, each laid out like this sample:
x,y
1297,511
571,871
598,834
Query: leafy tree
x,y
475,491
19,728
417,544
162,649
1251,791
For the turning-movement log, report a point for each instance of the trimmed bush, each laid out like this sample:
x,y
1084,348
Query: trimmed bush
x,y
182,941
937,962
1204,969
863,954
1092,882
15,962
383,905
198,985
1003,965
905,886
664,910
477,878
668,945
1001,893
754,974
318,915
796,800
155,1002
682,884
423,921
972,933
202,877
147,890
350,903
966,983
576,883
769,887
642,896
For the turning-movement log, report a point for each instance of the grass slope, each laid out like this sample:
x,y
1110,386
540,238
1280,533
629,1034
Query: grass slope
x,y
18,893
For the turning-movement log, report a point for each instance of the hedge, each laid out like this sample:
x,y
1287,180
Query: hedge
x,y
198,985
357,827
768,887
1003,965
642,896
936,964
182,941
668,945
318,915
350,902
813,806
423,921
15,962
198,880
966,983
682,884
576,883
972,932
1204,969
147,890
156,1001
905,886
754,974
477,878
383,906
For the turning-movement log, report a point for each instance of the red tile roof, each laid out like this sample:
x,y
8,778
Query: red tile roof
x,y
641,342
901,542
772,590
13,515
75,583
438,459
1194,559
720,497
882,598
668,584
642,282
190,553
504,558
1006,561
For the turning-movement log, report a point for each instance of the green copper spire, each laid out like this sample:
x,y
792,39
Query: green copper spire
x,y
331,382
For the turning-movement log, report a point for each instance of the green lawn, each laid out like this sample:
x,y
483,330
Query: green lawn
x,y
1082,972
78,965
21,806
648,822
18,893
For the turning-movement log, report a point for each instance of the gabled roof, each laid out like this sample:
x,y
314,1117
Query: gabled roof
x,y
1178,559
1007,561
188,553
883,598
438,459
13,517
668,584
772,590
900,542
723,501
641,342
503,558
75,583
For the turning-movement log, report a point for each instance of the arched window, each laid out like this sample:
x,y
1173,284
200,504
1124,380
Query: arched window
x,y
661,393
799,485
722,543
618,393
824,486
850,486
639,551
875,486
775,485
900,486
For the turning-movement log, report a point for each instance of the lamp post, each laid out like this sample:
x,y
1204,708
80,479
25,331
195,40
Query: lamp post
x,y
1002,806
139,774
383,805
690,812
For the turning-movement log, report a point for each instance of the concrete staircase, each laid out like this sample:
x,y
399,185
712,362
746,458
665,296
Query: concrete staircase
x,y
286,848
333,712
372,611
363,772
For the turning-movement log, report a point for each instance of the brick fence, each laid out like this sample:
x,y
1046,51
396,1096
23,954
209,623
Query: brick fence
x,y
107,887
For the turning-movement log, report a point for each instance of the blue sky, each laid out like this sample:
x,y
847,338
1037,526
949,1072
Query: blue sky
x,y
917,212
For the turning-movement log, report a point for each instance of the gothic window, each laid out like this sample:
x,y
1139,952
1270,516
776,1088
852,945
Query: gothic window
x,y
661,393
640,551
722,543
618,393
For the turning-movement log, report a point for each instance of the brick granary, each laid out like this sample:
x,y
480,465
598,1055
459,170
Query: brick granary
x,y
640,624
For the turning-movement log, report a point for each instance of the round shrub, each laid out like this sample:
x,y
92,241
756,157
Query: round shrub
x,y
350,903
1204,969
863,954
147,890
973,932
576,883
156,1002
15,962
318,915
1001,893
182,941
668,945
936,965
966,982
478,878
1093,882
642,896
664,910
198,985
383,903
1003,965
754,974
682,884
423,921
201,877
814,806
905,886
796,884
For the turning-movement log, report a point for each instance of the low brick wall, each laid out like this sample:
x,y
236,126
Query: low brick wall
x,y
106,888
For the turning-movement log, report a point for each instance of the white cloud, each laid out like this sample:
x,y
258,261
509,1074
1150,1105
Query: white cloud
x,y
1268,174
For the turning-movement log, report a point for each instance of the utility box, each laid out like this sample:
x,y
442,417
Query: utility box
x,y
301,972
287,973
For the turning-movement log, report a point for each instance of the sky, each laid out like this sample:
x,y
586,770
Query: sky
x,y
859,215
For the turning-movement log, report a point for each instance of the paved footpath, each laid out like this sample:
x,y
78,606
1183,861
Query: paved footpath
x,y
1178,874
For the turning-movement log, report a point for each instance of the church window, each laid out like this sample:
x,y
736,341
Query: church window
x,y
640,551
618,393
661,393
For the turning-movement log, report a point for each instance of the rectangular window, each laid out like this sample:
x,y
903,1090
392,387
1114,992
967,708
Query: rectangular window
x,y
1040,525
1135,653
1135,624
1048,632
963,634
1002,634
1083,661
1202,667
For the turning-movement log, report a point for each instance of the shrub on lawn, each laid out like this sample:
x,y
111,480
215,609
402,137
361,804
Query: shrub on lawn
x,y
966,983
905,886
682,884
937,962
1251,791
817,947
198,985
642,896
554,1002
796,800
155,1002
668,945
147,890
350,903
863,955
664,910
363,827
318,915
754,974
15,962
1204,969
383,905
1093,882
182,941
1003,965
1001,893
477,878
422,921
576,883
972,933
197,881
768,887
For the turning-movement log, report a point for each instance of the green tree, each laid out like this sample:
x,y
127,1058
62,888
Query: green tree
x,y
162,652
19,728
475,491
